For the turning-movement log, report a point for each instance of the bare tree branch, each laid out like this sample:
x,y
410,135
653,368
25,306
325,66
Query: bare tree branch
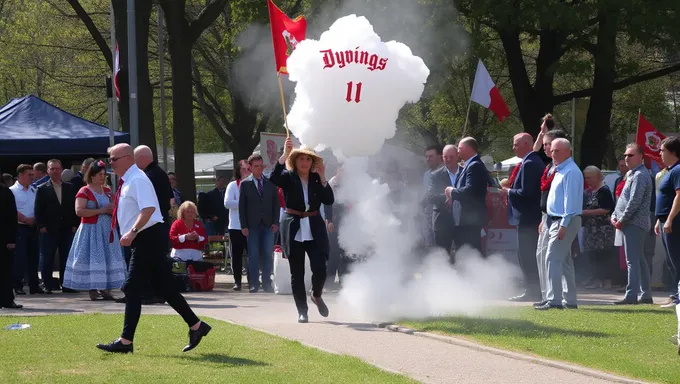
x,y
92,28
207,16
632,80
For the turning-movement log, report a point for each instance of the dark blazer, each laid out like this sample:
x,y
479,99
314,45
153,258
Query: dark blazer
x,y
52,215
524,196
161,184
254,209
78,181
470,191
318,194
211,204
442,217
8,217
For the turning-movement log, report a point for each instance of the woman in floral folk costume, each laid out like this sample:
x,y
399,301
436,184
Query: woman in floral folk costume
x,y
94,264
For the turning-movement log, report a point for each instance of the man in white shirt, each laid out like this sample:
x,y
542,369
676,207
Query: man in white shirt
x,y
26,251
137,212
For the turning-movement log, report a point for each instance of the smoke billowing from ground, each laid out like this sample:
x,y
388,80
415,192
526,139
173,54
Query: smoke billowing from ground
x,y
382,224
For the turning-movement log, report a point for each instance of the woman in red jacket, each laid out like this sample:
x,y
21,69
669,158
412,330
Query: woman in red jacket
x,y
187,235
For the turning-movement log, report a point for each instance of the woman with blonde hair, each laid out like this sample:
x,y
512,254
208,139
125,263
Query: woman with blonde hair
x,y
598,232
187,235
300,173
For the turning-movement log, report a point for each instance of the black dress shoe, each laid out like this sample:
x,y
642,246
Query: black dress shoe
x,y
268,289
237,287
625,302
121,300
540,303
302,318
323,309
548,306
38,291
571,306
116,347
19,291
12,305
68,290
646,301
253,290
196,336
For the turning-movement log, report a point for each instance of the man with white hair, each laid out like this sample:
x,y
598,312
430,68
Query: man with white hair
x,y
564,208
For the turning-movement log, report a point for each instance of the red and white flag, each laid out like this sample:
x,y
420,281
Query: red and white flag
x,y
649,138
486,94
286,34
116,71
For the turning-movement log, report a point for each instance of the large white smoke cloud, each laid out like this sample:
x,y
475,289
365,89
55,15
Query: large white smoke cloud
x,y
329,111
349,82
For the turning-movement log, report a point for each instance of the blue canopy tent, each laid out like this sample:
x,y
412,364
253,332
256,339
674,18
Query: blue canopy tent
x,y
32,127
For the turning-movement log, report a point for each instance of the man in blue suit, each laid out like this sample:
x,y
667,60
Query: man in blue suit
x,y
470,192
524,211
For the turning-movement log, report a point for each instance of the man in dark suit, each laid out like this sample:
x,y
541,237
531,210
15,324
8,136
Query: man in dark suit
x,y
211,208
78,180
159,180
55,217
443,220
470,193
8,240
524,211
258,209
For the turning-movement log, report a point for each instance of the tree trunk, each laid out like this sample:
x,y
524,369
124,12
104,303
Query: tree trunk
x,y
598,120
527,101
180,46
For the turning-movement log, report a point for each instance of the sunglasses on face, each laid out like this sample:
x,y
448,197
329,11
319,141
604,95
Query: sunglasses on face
x,y
114,159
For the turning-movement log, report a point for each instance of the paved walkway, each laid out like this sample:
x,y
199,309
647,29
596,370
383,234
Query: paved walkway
x,y
425,359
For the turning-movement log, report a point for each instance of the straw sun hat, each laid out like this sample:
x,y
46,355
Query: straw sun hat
x,y
292,158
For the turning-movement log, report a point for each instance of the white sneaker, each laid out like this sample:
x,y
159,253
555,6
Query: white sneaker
x,y
668,305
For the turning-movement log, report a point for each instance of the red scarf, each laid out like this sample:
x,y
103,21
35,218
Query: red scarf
x,y
238,184
282,201
514,173
547,179
619,188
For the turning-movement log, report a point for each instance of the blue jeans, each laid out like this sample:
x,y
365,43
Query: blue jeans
x,y
638,270
25,263
260,247
49,243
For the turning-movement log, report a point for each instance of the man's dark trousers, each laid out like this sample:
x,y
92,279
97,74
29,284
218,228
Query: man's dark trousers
x,y
527,236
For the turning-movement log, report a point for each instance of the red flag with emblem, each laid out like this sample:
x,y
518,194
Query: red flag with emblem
x,y
286,34
649,138
116,72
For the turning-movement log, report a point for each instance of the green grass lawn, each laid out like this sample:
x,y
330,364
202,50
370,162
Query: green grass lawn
x,y
631,341
61,349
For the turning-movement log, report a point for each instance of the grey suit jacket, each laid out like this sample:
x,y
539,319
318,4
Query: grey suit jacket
x,y
255,210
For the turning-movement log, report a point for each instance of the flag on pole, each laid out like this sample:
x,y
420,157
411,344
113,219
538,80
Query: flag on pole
x,y
486,94
649,138
116,71
286,34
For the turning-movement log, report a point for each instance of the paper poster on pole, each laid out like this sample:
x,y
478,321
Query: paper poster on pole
x,y
271,146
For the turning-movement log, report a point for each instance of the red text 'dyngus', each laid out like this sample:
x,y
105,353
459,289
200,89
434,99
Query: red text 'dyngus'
x,y
342,58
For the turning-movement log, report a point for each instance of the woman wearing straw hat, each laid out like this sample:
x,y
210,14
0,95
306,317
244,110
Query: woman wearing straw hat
x,y
300,173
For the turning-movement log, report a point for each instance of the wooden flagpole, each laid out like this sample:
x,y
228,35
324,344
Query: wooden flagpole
x,y
467,117
283,104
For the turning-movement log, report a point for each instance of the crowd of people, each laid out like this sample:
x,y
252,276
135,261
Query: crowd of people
x,y
101,234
